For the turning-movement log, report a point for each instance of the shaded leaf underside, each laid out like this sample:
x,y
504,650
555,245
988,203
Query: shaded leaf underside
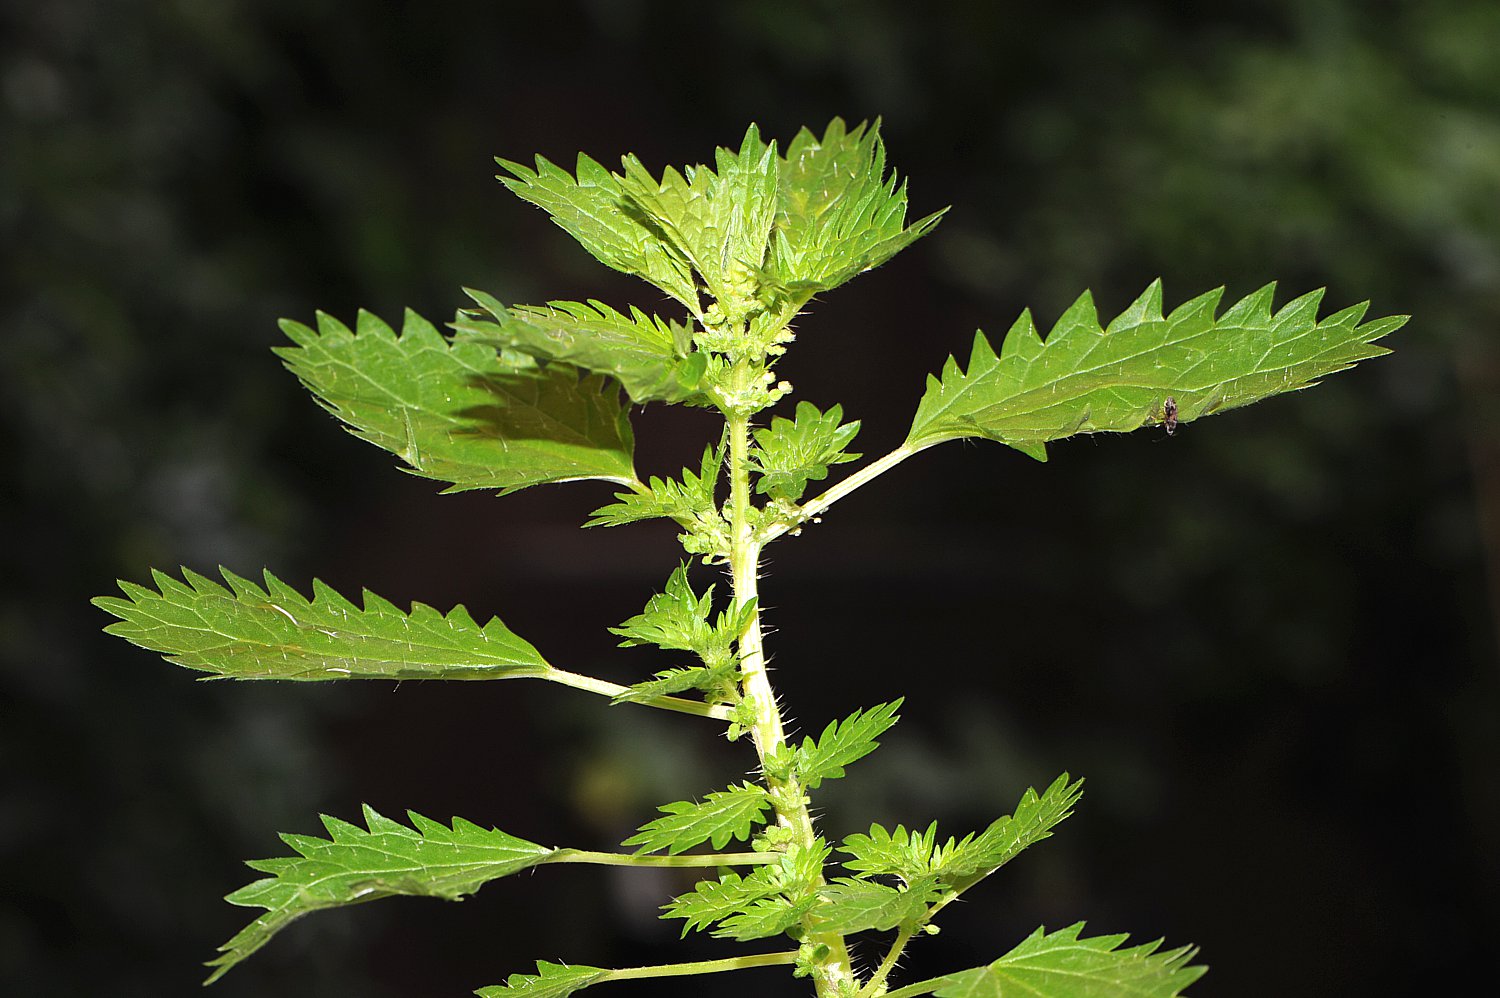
x,y
646,354
1088,379
249,632
457,411
592,209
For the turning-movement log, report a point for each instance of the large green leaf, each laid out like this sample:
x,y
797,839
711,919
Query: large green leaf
x,y
593,209
246,632
1062,965
1088,379
459,411
650,356
839,214
354,865
719,218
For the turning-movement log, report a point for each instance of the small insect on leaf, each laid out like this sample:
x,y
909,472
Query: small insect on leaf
x,y
1169,415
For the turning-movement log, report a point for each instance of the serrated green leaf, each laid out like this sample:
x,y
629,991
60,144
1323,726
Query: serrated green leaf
x,y
766,902
842,743
594,210
765,918
900,853
791,452
354,865
457,411
1086,379
551,980
860,906
712,900
722,815
838,213
691,502
646,354
678,619
250,632
1063,965
1035,816
719,219
668,682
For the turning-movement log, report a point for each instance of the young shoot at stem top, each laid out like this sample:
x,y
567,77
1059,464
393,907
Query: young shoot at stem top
x,y
512,396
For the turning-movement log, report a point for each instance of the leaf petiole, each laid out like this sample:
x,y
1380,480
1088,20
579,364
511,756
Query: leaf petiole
x,y
704,966
815,507
926,987
898,945
605,688
682,860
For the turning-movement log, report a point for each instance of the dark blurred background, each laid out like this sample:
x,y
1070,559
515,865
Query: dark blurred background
x,y
1269,643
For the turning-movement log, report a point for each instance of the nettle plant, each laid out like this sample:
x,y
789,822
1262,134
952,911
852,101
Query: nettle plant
x,y
516,396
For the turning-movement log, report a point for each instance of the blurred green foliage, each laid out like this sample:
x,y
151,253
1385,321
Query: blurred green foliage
x,y
1273,655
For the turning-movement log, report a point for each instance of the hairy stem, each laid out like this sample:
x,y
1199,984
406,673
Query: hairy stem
x,y
833,972
888,964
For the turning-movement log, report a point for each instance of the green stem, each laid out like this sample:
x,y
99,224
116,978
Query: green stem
x,y
691,860
833,973
815,507
607,689
704,966
888,964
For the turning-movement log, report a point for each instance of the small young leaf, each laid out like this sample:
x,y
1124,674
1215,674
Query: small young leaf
x,y
790,453
1035,816
721,816
903,854
354,865
675,618
767,902
594,210
458,412
860,906
713,900
839,214
249,632
646,354
843,743
668,682
690,502
1062,965
1088,379
551,980
764,918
